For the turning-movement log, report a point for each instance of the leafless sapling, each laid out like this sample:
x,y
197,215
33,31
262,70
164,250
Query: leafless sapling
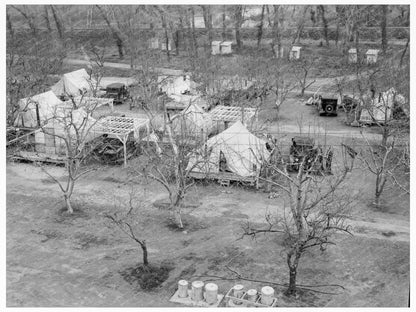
x,y
317,209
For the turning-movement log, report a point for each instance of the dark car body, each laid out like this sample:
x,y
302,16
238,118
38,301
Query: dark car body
x,y
301,147
118,92
327,106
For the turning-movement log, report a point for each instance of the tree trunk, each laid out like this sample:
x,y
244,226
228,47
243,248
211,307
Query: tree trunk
x,y
119,43
383,26
69,191
292,261
69,208
114,31
208,25
144,249
224,33
46,16
10,25
194,40
276,41
58,22
404,51
324,23
178,217
260,30
238,23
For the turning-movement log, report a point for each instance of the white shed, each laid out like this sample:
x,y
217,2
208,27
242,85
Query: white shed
x,y
154,43
163,45
372,55
283,51
295,53
215,47
352,55
226,47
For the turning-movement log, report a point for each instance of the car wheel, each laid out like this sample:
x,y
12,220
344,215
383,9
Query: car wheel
x,y
329,109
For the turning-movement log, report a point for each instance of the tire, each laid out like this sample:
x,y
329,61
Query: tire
x,y
329,109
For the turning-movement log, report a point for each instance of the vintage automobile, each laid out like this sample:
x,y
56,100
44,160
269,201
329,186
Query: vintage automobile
x,y
327,106
117,91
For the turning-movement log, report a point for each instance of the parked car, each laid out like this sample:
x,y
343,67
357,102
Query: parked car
x,y
117,91
327,106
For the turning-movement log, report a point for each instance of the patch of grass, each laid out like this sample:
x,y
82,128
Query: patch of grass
x,y
147,277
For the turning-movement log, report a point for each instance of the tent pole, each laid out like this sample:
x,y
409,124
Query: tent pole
x,y
125,151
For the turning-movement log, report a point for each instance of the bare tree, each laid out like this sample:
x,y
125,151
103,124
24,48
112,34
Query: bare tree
x,y
300,22
73,131
168,163
58,21
301,71
117,34
23,10
238,22
383,26
317,208
380,160
321,10
207,14
128,221
9,23
261,25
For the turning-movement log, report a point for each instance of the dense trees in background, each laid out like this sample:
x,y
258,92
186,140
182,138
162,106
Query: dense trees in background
x,y
185,24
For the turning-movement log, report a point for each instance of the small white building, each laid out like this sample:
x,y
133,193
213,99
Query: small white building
x,y
372,55
295,53
352,55
154,43
215,47
283,51
163,45
226,47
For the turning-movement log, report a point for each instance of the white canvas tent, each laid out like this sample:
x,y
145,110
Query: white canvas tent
x,y
47,139
74,84
176,84
244,153
193,121
38,108
380,108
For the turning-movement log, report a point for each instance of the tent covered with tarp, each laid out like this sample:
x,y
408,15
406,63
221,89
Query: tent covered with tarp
x,y
234,150
36,110
74,84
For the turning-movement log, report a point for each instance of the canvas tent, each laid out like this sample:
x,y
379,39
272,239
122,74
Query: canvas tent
x,y
47,139
193,121
176,84
74,83
242,151
37,110
380,108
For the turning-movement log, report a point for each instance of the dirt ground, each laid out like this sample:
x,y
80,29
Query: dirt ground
x,y
58,260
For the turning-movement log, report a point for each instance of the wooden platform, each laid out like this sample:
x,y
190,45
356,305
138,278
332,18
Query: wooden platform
x,y
223,176
39,157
